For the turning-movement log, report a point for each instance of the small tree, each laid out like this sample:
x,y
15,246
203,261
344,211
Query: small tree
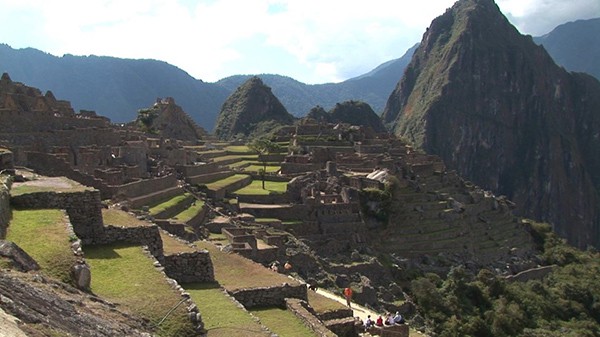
x,y
264,146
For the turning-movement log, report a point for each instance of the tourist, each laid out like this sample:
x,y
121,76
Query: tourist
x,y
274,267
390,319
348,295
287,266
379,321
398,319
368,322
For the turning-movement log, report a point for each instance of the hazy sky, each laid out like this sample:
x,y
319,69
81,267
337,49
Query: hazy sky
x,y
314,41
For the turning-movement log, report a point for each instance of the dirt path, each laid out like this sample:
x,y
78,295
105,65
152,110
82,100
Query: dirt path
x,y
357,310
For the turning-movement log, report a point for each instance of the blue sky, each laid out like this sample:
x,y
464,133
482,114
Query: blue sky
x,y
313,41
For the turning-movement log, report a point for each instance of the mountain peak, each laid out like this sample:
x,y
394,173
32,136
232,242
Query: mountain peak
x,y
496,108
252,108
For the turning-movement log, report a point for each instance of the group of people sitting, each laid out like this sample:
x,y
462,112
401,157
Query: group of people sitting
x,y
389,320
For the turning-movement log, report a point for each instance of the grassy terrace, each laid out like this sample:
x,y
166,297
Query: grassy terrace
x,y
43,235
233,271
238,149
47,184
256,167
174,246
169,203
125,275
119,218
253,157
221,316
190,212
216,185
283,322
255,188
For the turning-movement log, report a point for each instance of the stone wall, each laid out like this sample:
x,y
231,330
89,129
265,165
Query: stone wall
x,y
5,214
155,197
264,199
177,229
148,236
197,219
292,168
277,157
83,208
301,310
269,296
146,186
292,212
220,193
52,166
208,177
6,160
194,170
189,267
262,256
176,209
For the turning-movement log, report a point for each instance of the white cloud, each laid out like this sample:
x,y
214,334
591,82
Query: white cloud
x,y
310,40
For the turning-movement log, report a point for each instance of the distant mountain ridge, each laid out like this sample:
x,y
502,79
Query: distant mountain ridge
x,y
575,45
118,88
113,87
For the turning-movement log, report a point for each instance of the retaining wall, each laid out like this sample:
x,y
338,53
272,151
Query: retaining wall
x,y
189,267
301,310
144,235
208,177
5,214
176,209
83,208
264,199
269,296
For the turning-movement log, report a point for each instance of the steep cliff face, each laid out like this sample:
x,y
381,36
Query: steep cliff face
x,y
252,108
497,109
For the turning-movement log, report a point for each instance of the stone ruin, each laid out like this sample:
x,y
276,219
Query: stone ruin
x,y
438,218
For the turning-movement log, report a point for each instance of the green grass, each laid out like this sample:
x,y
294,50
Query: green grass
x,y
125,275
240,163
47,184
283,322
173,246
43,235
233,271
238,149
256,167
119,218
255,188
323,304
169,203
190,212
236,156
266,220
217,185
221,316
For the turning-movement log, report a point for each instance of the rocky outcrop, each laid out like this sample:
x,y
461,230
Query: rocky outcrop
x,y
497,109
44,305
251,109
168,120
17,257
351,112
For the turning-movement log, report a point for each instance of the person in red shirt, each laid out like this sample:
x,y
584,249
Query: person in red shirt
x,y
348,295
